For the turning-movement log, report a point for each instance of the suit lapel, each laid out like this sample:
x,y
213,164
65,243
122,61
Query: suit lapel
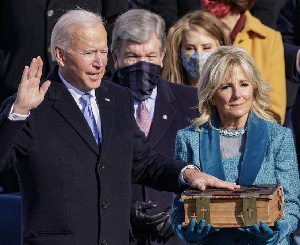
x,y
67,108
255,149
164,112
210,152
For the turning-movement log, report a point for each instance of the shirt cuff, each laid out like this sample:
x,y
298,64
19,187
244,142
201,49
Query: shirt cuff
x,y
190,166
297,65
15,116
298,62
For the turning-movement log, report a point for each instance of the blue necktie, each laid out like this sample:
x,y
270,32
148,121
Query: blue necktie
x,y
89,116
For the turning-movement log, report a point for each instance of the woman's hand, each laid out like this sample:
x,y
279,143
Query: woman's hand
x,y
195,233
264,233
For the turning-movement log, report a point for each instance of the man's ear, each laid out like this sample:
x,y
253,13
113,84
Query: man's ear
x,y
163,53
60,55
115,58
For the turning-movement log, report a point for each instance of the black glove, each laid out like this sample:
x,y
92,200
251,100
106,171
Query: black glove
x,y
165,229
139,217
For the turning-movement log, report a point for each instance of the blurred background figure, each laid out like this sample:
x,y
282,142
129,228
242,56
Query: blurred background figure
x,y
170,11
264,44
189,43
267,11
289,26
25,31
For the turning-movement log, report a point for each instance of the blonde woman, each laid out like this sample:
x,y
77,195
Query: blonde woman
x,y
189,43
236,140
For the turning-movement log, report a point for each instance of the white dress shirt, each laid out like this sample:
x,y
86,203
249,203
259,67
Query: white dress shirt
x,y
150,103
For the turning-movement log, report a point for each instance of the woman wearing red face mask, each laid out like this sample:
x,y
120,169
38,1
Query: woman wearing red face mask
x,y
262,43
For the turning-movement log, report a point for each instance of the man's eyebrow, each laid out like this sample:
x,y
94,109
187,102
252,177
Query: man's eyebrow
x,y
151,53
130,52
133,53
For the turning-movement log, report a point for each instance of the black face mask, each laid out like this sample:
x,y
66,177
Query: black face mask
x,y
141,78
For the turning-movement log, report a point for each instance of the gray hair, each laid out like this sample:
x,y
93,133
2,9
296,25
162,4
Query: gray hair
x,y
217,67
64,28
138,25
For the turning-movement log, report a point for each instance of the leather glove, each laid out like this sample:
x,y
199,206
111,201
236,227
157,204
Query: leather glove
x,y
165,229
195,233
139,217
264,233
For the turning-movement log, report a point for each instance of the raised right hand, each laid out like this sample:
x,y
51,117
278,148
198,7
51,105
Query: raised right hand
x,y
30,94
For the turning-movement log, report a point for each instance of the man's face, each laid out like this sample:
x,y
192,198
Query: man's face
x,y
133,52
83,66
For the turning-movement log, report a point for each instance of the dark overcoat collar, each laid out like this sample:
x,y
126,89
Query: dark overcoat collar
x,y
164,113
66,106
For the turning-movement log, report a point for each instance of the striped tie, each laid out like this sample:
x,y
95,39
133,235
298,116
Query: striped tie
x,y
143,118
89,116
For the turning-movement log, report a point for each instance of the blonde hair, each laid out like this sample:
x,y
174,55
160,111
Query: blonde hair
x,y
199,20
218,66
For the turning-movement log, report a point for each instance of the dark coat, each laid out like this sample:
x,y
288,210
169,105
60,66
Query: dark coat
x,y
171,10
72,193
175,106
267,11
289,26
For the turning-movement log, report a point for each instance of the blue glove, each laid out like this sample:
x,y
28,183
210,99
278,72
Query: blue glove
x,y
264,233
195,233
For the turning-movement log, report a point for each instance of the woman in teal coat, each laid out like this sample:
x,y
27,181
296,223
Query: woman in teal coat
x,y
236,139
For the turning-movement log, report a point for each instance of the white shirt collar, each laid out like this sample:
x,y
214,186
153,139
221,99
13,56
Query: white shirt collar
x,y
75,92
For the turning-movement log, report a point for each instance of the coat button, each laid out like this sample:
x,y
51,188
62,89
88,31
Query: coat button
x,y
101,166
50,13
104,242
104,204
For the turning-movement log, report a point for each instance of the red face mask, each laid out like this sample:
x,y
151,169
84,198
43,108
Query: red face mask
x,y
216,8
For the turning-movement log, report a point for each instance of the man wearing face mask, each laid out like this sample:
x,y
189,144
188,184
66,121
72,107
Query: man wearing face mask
x,y
161,109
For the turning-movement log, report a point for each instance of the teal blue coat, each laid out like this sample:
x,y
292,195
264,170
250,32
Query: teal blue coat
x,y
269,158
